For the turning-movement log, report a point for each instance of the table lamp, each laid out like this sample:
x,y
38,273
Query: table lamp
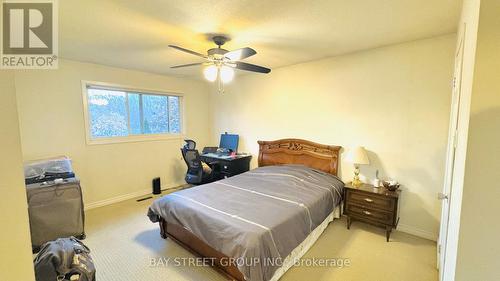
x,y
357,156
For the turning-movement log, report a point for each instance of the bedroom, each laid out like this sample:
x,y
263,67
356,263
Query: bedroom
x,y
351,74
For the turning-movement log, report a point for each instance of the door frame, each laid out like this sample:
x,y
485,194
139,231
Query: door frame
x,y
447,272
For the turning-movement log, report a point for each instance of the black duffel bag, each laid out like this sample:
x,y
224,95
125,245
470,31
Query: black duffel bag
x,y
64,259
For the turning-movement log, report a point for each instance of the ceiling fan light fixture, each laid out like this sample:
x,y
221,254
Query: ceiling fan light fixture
x,y
210,73
226,74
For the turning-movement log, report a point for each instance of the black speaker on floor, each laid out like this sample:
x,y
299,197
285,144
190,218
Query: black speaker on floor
x,y
156,186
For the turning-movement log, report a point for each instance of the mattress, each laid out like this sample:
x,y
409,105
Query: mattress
x,y
307,244
259,217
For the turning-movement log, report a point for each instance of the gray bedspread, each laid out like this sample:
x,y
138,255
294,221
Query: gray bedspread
x,y
257,217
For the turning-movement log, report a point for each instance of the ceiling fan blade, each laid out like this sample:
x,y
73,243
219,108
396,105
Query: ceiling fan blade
x,y
251,67
187,65
187,51
240,54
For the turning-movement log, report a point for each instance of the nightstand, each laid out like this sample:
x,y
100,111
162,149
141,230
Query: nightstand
x,y
374,205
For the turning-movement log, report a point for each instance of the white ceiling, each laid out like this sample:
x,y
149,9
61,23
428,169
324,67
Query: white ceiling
x,y
134,34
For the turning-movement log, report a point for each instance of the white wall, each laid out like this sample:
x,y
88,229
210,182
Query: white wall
x,y
395,101
15,244
478,247
52,123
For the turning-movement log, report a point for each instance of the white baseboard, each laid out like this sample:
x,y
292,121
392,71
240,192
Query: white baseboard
x,y
124,197
417,232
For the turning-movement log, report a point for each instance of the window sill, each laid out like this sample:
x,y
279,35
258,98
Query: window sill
x,y
137,138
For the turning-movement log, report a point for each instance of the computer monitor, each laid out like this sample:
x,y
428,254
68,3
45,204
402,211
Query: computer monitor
x,y
229,141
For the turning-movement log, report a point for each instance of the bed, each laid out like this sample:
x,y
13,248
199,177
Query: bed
x,y
254,226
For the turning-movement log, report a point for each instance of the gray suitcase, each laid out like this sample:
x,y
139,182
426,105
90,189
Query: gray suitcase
x,y
55,210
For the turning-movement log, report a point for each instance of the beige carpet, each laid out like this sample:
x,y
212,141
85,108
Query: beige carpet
x,y
123,241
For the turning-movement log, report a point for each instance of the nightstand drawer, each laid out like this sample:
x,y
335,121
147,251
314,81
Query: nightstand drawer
x,y
370,214
370,201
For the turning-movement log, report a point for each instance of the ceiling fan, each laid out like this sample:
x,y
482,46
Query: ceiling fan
x,y
221,63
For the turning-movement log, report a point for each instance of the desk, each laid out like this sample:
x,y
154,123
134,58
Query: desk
x,y
229,165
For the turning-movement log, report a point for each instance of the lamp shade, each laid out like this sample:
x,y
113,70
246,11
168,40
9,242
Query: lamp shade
x,y
357,155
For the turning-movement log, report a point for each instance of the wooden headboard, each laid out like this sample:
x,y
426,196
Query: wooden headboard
x,y
297,151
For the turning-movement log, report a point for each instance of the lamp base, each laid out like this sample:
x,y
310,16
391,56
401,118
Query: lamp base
x,y
355,181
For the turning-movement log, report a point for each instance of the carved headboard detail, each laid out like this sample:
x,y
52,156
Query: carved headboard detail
x,y
296,151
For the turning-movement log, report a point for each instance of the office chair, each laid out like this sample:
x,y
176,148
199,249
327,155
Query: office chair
x,y
195,173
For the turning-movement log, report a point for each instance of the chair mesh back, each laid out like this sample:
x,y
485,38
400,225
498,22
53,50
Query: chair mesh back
x,y
192,158
190,144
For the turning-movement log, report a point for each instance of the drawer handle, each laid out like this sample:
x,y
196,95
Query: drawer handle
x,y
367,213
368,200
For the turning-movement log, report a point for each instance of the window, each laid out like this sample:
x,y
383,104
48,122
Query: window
x,y
115,113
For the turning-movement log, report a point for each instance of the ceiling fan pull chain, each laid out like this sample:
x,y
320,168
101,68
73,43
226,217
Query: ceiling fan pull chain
x,y
221,85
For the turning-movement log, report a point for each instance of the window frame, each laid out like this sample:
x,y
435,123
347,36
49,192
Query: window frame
x,y
131,137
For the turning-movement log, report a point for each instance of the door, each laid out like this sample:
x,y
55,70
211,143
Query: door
x,y
444,196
